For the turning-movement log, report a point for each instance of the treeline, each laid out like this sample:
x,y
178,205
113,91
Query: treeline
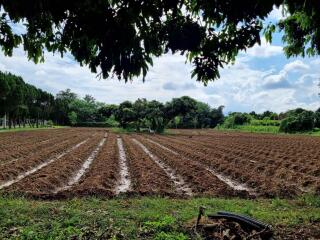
x,y
22,103
140,115
292,121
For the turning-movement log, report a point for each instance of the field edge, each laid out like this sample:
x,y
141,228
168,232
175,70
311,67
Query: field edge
x,y
133,218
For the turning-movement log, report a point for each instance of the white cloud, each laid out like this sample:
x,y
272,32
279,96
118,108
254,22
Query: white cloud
x,y
296,66
247,89
281,79
276,81
265,50
242,86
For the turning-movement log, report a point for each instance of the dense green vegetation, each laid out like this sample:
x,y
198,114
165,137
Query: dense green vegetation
x,y
209,33
293,121
141,218
140,115
26,106
23,104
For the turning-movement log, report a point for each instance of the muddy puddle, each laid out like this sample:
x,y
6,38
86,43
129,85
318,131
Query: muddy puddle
x,y
231,183
125,182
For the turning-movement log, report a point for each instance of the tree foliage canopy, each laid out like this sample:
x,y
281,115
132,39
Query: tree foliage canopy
x,y
19,100
120,37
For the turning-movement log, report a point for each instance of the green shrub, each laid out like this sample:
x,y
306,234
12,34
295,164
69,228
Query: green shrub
x,y
91,124
241,119
73,118
300,122
112,122
265,122
49,123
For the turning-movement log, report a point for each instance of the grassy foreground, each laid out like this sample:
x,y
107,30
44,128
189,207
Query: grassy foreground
x,y
143,218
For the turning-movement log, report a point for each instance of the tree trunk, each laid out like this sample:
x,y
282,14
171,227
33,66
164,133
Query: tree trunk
x,y
37,123
5,121
9,121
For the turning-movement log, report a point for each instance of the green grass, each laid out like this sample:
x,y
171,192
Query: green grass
x,y
121,130
17,129
315,132
265,129
251,128
144,218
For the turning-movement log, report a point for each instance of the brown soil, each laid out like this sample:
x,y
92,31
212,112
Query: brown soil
x,y
244,160
58,173
201,181
147,177
103,175
17,152
12,169
283,166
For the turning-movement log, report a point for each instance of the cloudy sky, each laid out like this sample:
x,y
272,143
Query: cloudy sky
x,y
261,79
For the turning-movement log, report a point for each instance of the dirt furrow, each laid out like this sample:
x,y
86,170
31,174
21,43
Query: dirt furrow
x,y
262,184
230,182
147,178
267,164
86,164
10,141
103,175
12,169
57,174
32,149
201,178
39,167
181,186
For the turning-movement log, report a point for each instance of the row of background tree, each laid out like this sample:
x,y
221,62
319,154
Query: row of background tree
x,y
297,120
183,112
24,104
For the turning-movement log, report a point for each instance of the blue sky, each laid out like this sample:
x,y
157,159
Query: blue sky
x,y
261,79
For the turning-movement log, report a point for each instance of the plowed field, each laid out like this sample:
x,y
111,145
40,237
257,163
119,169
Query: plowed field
x,y
78,162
